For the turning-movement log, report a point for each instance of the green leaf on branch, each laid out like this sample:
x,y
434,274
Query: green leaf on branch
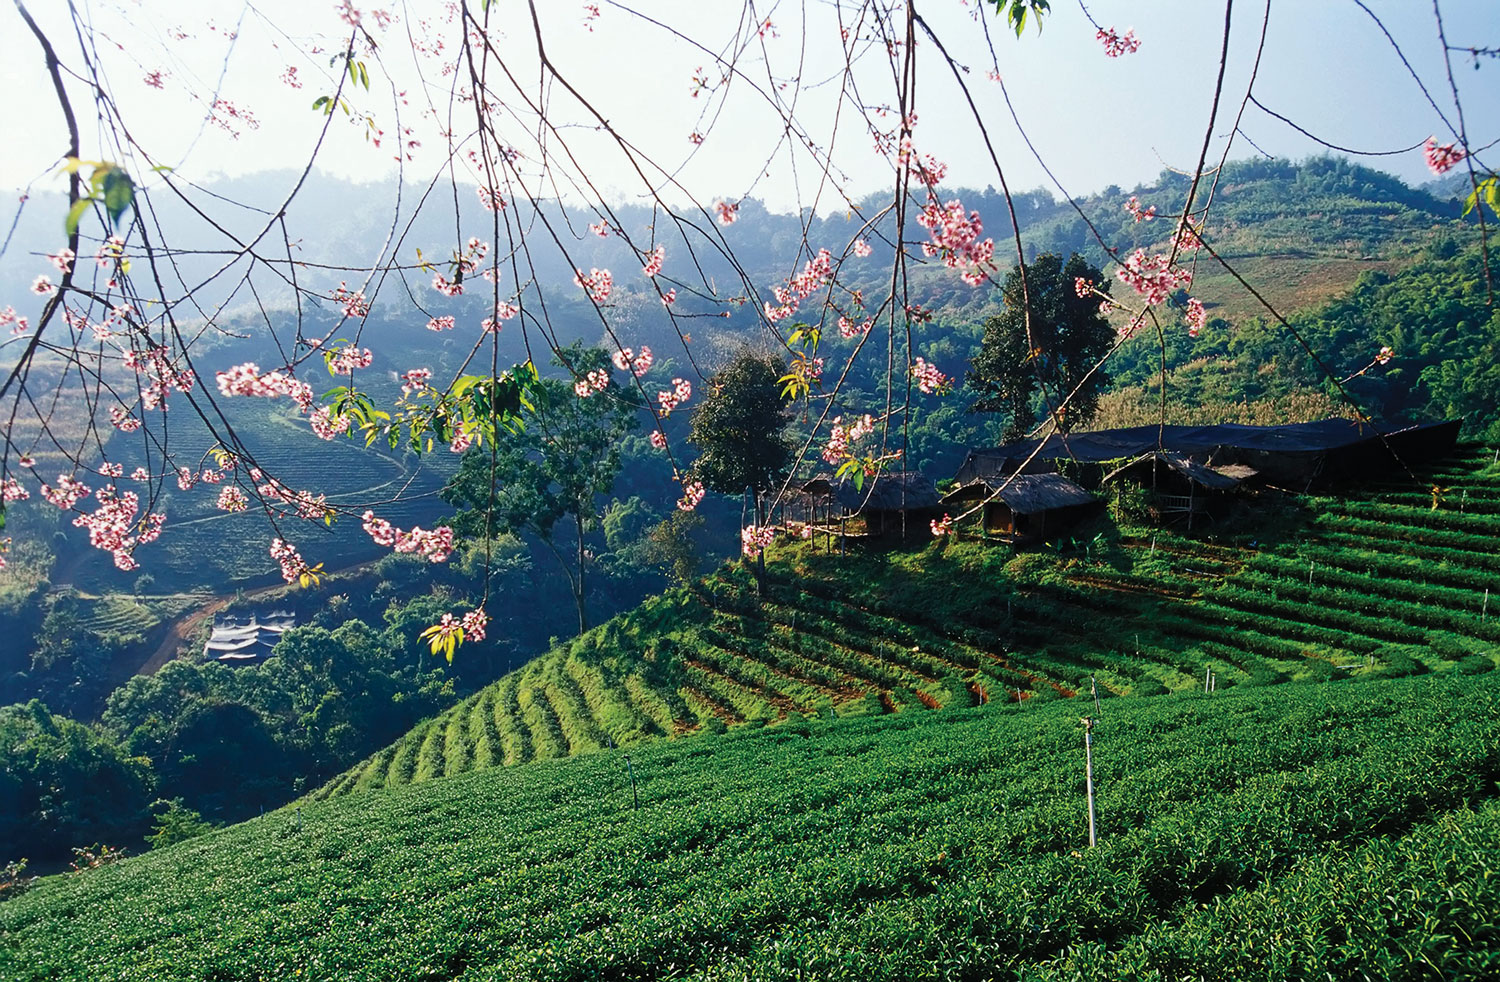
x,y
119,194
1487,191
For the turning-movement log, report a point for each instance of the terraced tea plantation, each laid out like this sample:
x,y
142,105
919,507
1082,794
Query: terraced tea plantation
x,y
1337,831
1376,583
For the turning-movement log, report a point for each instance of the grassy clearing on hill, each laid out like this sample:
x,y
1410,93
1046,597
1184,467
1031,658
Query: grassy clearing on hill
x,y
1342,831
1375,581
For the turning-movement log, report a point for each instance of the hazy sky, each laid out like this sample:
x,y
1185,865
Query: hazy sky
x,y
1095,120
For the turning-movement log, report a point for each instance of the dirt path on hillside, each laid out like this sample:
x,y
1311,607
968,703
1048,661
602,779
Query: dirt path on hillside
x,y
182,628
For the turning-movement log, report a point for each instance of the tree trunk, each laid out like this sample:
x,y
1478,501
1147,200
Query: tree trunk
x,y
760,556
578,590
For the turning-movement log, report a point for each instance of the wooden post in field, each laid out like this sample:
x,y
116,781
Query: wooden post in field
x,y
1088,771
1206,673
635,798
1484,614
1094,688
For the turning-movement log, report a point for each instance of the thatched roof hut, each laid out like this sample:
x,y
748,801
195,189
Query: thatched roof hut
x,y
893,504
1023,507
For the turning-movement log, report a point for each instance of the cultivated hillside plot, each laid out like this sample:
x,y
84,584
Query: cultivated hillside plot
x,y
1348,830
1388,579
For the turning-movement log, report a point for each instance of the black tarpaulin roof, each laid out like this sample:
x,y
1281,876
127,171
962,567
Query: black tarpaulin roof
x,y
1099,446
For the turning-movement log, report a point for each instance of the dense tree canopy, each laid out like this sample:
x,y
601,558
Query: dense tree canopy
x,y
1050,355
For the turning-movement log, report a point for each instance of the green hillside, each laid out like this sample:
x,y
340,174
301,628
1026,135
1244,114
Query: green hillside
x,y
1339,831
1379,580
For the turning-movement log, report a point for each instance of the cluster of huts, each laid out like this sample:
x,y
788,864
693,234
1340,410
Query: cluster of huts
x,y
1034,489
246,640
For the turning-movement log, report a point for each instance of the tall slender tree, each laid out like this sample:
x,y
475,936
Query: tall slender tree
x,y
558,466
740,432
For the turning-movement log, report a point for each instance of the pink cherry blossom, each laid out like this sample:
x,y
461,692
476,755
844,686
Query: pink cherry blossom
x,y
246,380
1115,44
598,284
1153,277
353,303
956,239
232,499
474,623
1133,205
121,419
942,527
1442,158
861,248
658,440
729,211
42,286
444,323
600,228
342,361
669,298
755,539
653,265
18,325
595,381
435,545
11,490
682,391
1197,317
69,491
929,379
415,380
325,425
692,496
292,565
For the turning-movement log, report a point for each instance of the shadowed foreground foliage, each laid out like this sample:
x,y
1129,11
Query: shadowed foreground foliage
x,y
1344,831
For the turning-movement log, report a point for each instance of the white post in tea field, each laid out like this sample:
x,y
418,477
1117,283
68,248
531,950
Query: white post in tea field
x,y
1088,770
1484,614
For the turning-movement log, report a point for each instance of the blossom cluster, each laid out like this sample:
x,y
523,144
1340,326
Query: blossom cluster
x,y
924,168
112,526
352,302
637,364
943,526
929,379
473,624
489,199
1133,205
246,380
292,565
654,263
120,419
842,437
1197,317
682,391
327,426
817,272
160,377
17,323
342,361
595,381
854,329
729,212
1116,44
955,237
1153,277
755,538
435,545
504,311
598,284
11,490
1442,158
231,499
69,492
692,496
415,380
